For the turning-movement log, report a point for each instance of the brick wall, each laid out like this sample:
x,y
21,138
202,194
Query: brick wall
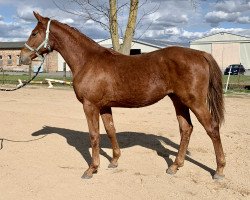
x,y
9,59
50,64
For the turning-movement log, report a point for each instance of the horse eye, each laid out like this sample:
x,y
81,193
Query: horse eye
x,y
34,34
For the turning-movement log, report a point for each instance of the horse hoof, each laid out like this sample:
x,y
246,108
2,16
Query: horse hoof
x,y
218,176
170,171
87,176
112,165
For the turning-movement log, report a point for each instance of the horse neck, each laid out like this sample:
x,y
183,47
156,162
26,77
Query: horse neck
x,y
74,47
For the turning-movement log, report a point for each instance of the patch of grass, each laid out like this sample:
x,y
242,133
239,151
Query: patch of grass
x,y
235,79
236,82
13,79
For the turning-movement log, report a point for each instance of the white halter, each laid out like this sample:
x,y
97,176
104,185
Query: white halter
x,y
43,44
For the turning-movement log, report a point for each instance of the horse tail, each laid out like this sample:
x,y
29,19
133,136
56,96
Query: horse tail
x,y
215,98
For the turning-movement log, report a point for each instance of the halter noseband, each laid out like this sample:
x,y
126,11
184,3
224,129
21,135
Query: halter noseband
x,y
43,44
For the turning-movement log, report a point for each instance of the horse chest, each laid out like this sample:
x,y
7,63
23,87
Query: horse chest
x,y
90,89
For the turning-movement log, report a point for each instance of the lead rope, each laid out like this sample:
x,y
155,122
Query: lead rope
x,y
23,84
2,139
5,89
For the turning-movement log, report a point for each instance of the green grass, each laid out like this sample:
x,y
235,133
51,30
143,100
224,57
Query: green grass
x,y
13,79
235,79
236,83
41,77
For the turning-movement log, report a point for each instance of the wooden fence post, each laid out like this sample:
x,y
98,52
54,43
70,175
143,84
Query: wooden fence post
x,y
64,70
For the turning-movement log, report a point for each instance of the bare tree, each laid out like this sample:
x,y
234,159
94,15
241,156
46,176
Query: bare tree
x,y
105,13
130,28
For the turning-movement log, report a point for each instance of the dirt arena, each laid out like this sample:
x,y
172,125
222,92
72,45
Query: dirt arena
x,y
46,150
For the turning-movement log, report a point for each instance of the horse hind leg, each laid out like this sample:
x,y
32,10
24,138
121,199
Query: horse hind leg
x,y
212,128
186,128
106,115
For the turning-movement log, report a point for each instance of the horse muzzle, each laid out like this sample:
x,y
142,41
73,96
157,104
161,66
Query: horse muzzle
x,y
24,59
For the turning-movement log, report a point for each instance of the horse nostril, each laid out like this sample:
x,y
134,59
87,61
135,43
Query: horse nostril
x,y
23,60
20,60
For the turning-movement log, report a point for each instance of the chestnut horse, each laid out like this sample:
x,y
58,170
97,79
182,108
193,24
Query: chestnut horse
x,y
103,78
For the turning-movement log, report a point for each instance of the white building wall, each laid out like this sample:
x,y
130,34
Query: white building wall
x,y
60,63
145,48
226,54
202,47
245,55
226,48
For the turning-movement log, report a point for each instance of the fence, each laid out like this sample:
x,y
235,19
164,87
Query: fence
x,y
13,77
236,82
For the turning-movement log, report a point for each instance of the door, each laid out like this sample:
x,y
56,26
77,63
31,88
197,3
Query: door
x,y
226,54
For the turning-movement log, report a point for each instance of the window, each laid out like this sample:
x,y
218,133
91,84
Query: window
x,y
18,60
1,60
135,51
9,61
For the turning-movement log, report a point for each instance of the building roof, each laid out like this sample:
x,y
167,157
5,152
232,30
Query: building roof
x,y
159,44
163,43
221,37
147,43
11,45
108,43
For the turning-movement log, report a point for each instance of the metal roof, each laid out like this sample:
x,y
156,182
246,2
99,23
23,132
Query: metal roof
x,y
148,42
210,38
11,45
161,43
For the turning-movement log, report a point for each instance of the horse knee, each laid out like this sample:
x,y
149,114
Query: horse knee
x,y
110,129
186,130
213,131
94,140
111,132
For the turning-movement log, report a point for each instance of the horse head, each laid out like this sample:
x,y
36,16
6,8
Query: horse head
x,y
39,42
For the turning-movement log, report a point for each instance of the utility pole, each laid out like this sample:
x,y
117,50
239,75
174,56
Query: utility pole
x,y
64,70
3,74
29,70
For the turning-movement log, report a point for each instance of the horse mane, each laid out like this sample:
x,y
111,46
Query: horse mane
x,y
73,31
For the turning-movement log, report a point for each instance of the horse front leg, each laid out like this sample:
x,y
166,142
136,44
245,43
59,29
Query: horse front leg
x,y
106,114
92,114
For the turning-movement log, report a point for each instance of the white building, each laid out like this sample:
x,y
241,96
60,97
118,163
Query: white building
x,y
226,48
138,47
141,46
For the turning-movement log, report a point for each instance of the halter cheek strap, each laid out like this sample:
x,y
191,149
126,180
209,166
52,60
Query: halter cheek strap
x,y
44,44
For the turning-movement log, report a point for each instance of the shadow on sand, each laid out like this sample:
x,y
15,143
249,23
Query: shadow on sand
x,y
80,140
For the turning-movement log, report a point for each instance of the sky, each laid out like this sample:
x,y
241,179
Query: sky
x,y
173,21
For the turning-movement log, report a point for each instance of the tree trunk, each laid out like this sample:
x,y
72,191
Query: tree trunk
x,y
113,24
130,29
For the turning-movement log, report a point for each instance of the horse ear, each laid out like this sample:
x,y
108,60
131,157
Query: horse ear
x,y
38,17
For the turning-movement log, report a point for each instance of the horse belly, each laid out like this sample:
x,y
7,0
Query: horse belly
x,y
135,97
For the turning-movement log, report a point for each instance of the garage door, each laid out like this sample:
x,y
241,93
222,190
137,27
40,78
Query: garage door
x,y
226,54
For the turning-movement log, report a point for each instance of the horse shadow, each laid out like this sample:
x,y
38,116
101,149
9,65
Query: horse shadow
x,y
81,142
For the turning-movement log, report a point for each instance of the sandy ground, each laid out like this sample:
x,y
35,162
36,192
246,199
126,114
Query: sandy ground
x,y
50,151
